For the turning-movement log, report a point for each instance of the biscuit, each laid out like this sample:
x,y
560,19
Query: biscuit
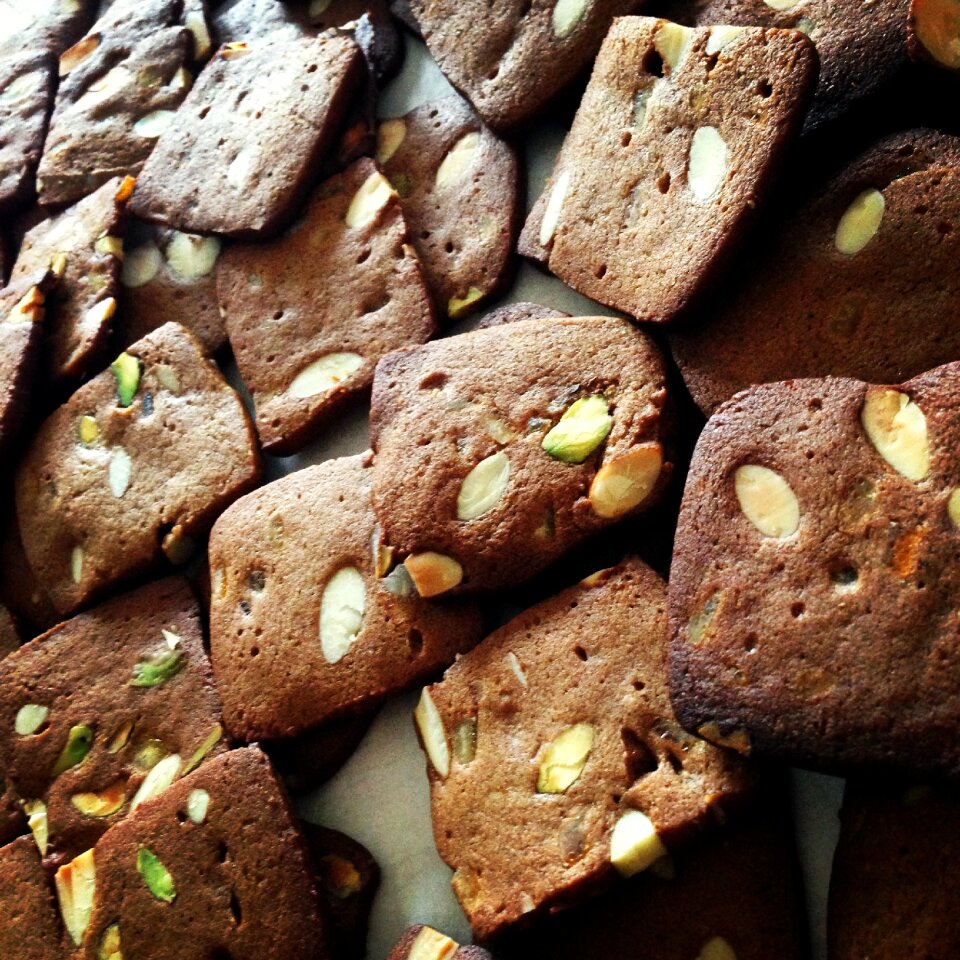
x,y
459,185
421,942
859,281
554,740
676,143
304,627
119,87
500,450
524,55
29,923
510,312
84,243
50,24
121,475
238,157
169,276
894,873
814,586
215,867
307,342
932,30
104,711
9,638
20,591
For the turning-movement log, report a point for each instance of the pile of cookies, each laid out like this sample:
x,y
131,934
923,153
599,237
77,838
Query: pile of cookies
x,y
636,564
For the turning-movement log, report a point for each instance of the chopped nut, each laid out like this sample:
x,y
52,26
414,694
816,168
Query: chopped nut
x,y
709,160
119,471
30,718
582,428
152,124
483,487
241,167
79,742
29,309
160,777
738,740
191,256
158,669
383,554
110,245
101,312
672,42
149,754
110,948
76,564
374,194
125,190
101,804
936,24
324,375
860,222
700,622
72,58
624,482
398,582
432,733
498,430
341,613
566,15
177,547
126,369
121,738
897,428
459,157
514,664
433,573
953,507
781,4
431,945
76,884
36,811
88,430
717,948
458,306
722,36
565,758
465,740
141,265
390,134
167,378
155,875
767,500
196,23
634,843
553,208
197,803
209,742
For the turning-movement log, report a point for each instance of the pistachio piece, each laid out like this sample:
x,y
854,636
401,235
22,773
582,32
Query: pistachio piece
x,y
566,15
160,777
390,134
155,875
565,757
483,487
432,945
709,160
860,222
102,804
76,564
141,265
208,743
197,803
553,208
324,375
79,742
458,306
119,471
157,670
433,573
716,948
126,369
634,843
152,124
341,613
76,884
897,428
432,733
110,948
767,500
30,718
624,482
149,754
465,740
582,428
191,256
121,738
88,430
458,160
374,194
110,245
36,811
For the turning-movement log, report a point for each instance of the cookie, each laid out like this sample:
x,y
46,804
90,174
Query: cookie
x,y
306,624
524,55
215,867
894,878
307,342
933,27
735,894
22,308
9,638
29,923
119,87
307,761
510,312
27,83
813,589
237,158
500,450
675,144
121,475
48,24
460,189
20,591
348,878
553,742
85,244
104,712
863,53
859,280
421,942
170,276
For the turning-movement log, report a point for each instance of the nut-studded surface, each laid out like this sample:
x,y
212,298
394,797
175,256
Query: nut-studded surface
x,y
524,55
894,873
459,186
119,84
30,928
674,146
87,240
420,942
593,656
106,489
133,671
264,902
440,410
307,340
814,586
292,644
241,153
875,314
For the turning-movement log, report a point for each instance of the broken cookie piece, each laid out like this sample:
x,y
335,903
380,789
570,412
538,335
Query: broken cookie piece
x,y
675,144
84,246
554,740
307,341
813,589
241,153
498,451
459,188
310,618
104,712
121,475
